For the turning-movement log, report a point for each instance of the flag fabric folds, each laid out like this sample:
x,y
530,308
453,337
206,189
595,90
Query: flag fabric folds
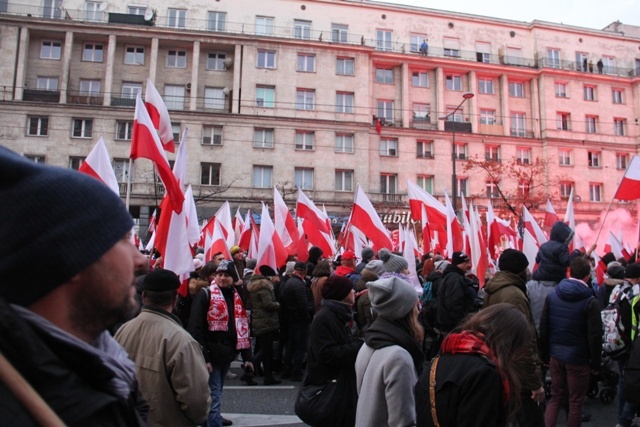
x,y
98,165
159,115
629,188
366,219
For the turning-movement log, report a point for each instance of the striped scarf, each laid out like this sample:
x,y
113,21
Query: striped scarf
x,y
218,316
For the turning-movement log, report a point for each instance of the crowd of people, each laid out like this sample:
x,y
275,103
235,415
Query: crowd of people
x,y
98,334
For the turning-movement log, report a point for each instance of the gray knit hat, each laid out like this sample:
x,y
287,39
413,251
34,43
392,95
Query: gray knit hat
x,y
61,219
392,298
376,266
367,253
392,263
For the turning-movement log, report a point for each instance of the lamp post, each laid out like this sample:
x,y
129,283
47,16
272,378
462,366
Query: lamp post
x,y
454,179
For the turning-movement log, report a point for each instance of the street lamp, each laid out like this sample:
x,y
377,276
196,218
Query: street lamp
x,y
454,180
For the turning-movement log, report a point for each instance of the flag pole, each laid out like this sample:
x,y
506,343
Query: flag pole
x,y
128,197
603,221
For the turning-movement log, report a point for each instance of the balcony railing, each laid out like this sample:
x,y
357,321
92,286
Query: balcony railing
x,y
85,99
123,102
561,64
521,133
41,95
451,126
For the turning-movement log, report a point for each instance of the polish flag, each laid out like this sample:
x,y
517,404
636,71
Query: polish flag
x,y
318,238
145,143
305,208
271,250
530,248
223,215
217,243
629,188
601,269
206,230
366,219
245,232
455,239
533,227
550,216
302,246
615,246
496,229
238,225
159,115
254,240
409,254
98,165
177,255
191,215
570,220
477,247
436,212
285,226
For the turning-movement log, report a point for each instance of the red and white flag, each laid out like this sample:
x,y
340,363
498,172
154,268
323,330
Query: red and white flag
x,y
217,243
159,115
305,208
177,255
436,211
223,215
409,253
477,246
245,233
238,225
530,248
629,188
145,143
285,226
615,246
302,244
98,165
497,228
550,215
455,238
366,219
271,250
533,227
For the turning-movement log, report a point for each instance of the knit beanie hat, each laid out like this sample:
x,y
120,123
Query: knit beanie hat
x,y
392,298
336,288
314,254
459,257
267,271
513,260
64,219
392,263
632,271
235,250
160,280
367,253
376,266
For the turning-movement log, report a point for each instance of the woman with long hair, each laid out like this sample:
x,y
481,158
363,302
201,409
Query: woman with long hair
x,y
472,381
319,276
389,363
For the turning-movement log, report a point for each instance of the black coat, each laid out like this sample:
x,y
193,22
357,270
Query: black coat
x,y
297,301
456,295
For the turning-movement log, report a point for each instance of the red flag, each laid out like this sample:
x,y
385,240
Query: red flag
x,y
159,117
302,245
366,219
436,212
378,126
98,165
145,143
629,188
305,208
245,233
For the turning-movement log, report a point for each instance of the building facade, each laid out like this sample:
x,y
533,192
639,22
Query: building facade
x,y
323,95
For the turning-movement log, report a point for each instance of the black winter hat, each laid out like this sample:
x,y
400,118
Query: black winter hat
x,y
632,271
459,257
336,288
160,280
62,219
513,260
267,271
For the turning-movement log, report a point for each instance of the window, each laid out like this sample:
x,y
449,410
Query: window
x,y
483,52
92,52
266,59
383,40
424,149
523,155
339,33
304,140
451,46
75,162
419,79
177,59
582,61
262,176
92,11
492,153
264,25
622,160
174,97
344,143
263,138
589,93
305,99
385,110
176,131
214,98
35,158
388,183
485,86
210,173
594,159
47,83
421,112
619,126
137,10
50,50
344,102
561,89
82,128
89,87
608,65
595,192
454,114
215,61
301,29
265,96
517,124
384,76
216,21
425,182
564,157
487,117
131,90
553,58
306,62
345,66
617,96
565,189
492,190
563,121
389,147
513,56
38,126
516,89
461,151
52,9
134,55
591,124
453,82
121,170
415,41
524,187
303,178
462,186
177,18
211,135
344,180
124,129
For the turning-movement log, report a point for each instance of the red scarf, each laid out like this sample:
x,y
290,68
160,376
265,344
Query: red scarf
x,y
218,316
468,342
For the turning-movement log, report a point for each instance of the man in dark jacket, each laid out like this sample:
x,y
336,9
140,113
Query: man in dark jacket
x,y
571,341
456,295
55,314
297,301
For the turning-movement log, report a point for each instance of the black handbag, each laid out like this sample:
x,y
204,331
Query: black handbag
x,y
318,405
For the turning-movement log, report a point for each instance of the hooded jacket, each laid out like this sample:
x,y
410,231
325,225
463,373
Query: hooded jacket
x,y
553,257
264,316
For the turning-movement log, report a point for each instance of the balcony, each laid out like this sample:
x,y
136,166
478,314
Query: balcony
x,y
521,133
123,102
577,66
387,198
494,129
462,127
41,95
85,99
125,18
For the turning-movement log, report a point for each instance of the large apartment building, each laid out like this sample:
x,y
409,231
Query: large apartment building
x,y
290,93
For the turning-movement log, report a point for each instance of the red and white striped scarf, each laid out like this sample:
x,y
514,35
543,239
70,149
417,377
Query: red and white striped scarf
x,y
218,316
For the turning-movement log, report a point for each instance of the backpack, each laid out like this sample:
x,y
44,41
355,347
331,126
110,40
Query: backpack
x,y
616,341
427,293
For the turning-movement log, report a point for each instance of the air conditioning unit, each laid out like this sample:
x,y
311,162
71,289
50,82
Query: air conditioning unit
x,y
228,62
226,91
187,87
